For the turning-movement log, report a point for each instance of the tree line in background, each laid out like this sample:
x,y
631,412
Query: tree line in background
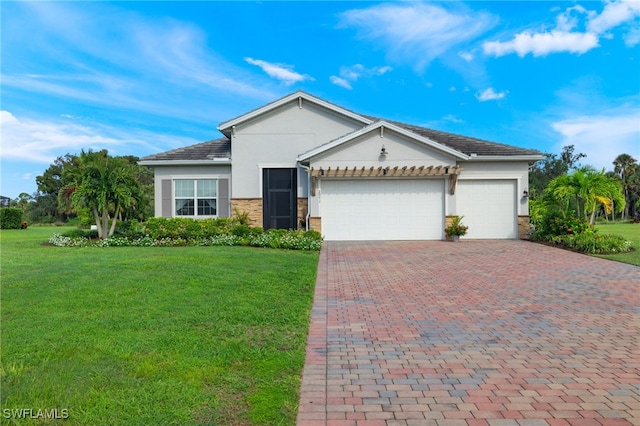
x,y
567,199
603,194
95,188
90,188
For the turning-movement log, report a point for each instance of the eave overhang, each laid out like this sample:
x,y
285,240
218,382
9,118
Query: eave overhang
x,y
531,157
216,161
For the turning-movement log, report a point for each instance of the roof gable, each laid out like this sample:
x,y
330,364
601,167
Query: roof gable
x,y
298,96
381,126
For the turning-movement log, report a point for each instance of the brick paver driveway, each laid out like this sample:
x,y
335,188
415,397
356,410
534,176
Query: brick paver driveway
x,y
474,333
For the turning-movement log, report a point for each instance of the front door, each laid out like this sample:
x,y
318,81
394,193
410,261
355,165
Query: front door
x,y
279,198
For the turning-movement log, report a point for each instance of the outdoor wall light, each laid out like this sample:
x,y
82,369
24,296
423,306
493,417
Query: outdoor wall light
x,y
383,151
525,194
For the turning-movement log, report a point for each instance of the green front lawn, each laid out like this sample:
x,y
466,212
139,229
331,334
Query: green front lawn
x,y
152,335
631,231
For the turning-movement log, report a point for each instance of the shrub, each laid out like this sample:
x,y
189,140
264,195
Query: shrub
x,y
74,233
241,230
163,232
593,243
554,223
10,218
130,229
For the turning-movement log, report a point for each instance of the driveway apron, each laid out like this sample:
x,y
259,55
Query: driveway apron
x,y
500,333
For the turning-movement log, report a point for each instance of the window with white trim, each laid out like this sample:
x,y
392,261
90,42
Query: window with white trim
x,y
195,197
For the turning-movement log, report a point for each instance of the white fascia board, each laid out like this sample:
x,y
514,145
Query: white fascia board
x,y
282,101
532,157
222,161
375,126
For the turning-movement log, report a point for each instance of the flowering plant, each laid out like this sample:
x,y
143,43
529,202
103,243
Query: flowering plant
x,y
456,227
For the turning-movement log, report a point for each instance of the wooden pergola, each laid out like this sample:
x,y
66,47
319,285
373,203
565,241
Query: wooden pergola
x,y
384,172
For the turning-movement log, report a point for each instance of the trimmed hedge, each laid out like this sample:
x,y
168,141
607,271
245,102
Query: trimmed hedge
x,y
11,218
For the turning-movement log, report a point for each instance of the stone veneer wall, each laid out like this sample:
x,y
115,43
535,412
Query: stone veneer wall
x,y
303,204
524,228
315,224
253,206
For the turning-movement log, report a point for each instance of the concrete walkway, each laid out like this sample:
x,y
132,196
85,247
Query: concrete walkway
x,y
500,333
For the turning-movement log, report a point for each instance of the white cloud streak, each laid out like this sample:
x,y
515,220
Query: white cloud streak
x,y
109,56
416,33
542,44
282,72
602,136
340,82
351,74
614,14
42,141
490,95
566,38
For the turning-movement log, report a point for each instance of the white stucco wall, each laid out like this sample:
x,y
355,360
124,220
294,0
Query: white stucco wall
x,y
276,139
365,152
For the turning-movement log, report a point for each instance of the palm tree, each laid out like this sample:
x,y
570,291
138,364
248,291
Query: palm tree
x,y
585,190
624,167
104,185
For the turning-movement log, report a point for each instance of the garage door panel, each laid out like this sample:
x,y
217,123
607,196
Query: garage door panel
x,y
382,209
488,207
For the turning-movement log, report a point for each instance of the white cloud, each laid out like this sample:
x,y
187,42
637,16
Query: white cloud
x,y
614,14
566,37
104,55
541,44
417,33
340,82
39,141
467,56
490,95
632,37
602,136
452,118
351,74
280,72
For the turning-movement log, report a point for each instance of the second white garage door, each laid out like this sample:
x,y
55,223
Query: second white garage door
x,y
488,207
382,209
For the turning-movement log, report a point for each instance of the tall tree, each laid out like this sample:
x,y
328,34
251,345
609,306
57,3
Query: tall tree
x,y
49,185
105,185
626,167
544,171
569,158
585,190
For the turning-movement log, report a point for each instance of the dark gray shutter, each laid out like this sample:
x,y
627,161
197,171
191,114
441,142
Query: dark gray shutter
x,y
223,197
167,208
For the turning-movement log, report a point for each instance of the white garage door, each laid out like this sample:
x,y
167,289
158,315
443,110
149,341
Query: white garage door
x,y
488,207
382,209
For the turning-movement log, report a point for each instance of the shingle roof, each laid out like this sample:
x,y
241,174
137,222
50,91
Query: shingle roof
x,y
218,148
221,148
466,144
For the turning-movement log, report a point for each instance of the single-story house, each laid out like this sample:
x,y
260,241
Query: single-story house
x,y
301,161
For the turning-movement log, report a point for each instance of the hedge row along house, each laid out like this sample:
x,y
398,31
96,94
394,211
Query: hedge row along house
x,y
301,161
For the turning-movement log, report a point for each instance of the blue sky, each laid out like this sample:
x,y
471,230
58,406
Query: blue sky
x,y
145,77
